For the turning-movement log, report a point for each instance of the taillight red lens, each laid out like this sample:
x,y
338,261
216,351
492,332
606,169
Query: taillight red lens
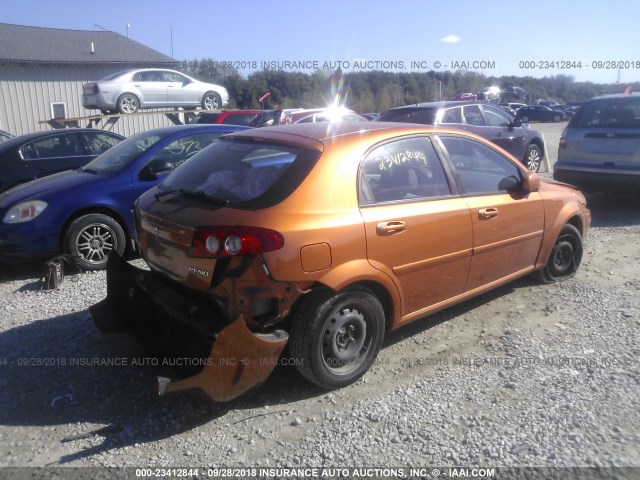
x,y
234,241
563,143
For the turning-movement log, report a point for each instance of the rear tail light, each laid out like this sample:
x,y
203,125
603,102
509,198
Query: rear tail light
x,y
219,242
91,89
563,143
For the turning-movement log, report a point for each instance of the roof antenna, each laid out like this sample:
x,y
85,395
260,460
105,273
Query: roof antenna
x,y
96,25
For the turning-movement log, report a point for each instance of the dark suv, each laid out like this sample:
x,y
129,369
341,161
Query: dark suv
x,y
485,120
600,147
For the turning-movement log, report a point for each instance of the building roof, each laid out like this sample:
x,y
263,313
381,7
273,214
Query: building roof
x,y
35,44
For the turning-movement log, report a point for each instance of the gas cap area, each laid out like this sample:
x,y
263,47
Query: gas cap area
x,y
315,257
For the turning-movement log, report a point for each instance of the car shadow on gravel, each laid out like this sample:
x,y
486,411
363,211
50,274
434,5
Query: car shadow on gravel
x,y
83,387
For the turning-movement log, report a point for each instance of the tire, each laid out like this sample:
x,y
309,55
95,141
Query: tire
x,y
556,118
211,101
524,119
565,257
128,103
335,337
90,238
533,157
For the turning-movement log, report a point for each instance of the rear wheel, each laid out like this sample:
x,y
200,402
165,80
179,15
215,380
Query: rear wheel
x,y
336,336
128,103
533,157
91,238
565,257
211,101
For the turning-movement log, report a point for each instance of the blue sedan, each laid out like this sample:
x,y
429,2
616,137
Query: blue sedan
x,y
87,213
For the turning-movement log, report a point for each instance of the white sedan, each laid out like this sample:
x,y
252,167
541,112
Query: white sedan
x,y
127,92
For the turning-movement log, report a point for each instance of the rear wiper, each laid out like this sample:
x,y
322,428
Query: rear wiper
x,y
159,195
199,194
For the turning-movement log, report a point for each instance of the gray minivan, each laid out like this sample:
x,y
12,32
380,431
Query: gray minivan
x,y
600,147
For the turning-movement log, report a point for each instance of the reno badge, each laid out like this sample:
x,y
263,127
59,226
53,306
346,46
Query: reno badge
x,y
198,271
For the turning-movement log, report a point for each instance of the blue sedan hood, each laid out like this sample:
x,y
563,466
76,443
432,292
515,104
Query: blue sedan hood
x,y
53,185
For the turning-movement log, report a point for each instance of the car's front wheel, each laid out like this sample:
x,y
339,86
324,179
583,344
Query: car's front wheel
x,y
533,157
211,101
565,257
128,103
90,239
335,337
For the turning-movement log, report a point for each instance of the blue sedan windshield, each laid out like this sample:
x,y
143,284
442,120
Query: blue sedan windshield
x,y
119,157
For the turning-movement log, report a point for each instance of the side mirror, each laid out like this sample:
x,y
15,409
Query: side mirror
x,y
517,122
154,168
509,184
531,182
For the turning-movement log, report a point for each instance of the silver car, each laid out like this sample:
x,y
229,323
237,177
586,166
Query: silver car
x,y
599,149
127,92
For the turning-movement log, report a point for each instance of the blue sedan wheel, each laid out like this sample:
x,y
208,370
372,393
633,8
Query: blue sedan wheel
x,y
91,238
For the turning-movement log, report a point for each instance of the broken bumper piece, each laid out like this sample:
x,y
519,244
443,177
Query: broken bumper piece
x,y
238,359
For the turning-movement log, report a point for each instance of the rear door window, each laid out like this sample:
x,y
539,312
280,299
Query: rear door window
x,y
407,169
54,146
473,115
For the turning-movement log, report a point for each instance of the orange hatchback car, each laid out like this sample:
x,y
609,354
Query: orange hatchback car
x,y
324,236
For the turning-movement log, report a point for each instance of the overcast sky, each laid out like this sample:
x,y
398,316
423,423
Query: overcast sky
x,y
590,40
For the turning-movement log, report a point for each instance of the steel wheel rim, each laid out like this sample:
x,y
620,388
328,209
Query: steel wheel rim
x,y
345,341
94,243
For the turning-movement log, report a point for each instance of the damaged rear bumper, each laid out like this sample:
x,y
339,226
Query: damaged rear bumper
x,y
170,324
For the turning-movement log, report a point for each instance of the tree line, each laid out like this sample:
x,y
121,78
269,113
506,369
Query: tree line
x,y
378,91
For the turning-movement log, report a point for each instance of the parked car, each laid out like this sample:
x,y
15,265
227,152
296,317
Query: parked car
x,y
569,110
540,113
268,118
5,136
488,121
229,117
468,96
39,154
600,147
129,91
371,115
323,239
87,213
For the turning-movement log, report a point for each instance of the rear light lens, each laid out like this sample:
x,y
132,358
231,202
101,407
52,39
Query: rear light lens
x,y
220,242
563,143
91,89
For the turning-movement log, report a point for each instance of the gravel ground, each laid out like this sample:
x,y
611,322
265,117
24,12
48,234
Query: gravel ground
x,y
526,375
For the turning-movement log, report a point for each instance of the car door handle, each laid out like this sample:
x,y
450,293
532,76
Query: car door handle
x,y
390,228
487,213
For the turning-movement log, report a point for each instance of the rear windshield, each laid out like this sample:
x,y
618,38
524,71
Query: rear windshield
x,y
410,115
243,174
621,112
